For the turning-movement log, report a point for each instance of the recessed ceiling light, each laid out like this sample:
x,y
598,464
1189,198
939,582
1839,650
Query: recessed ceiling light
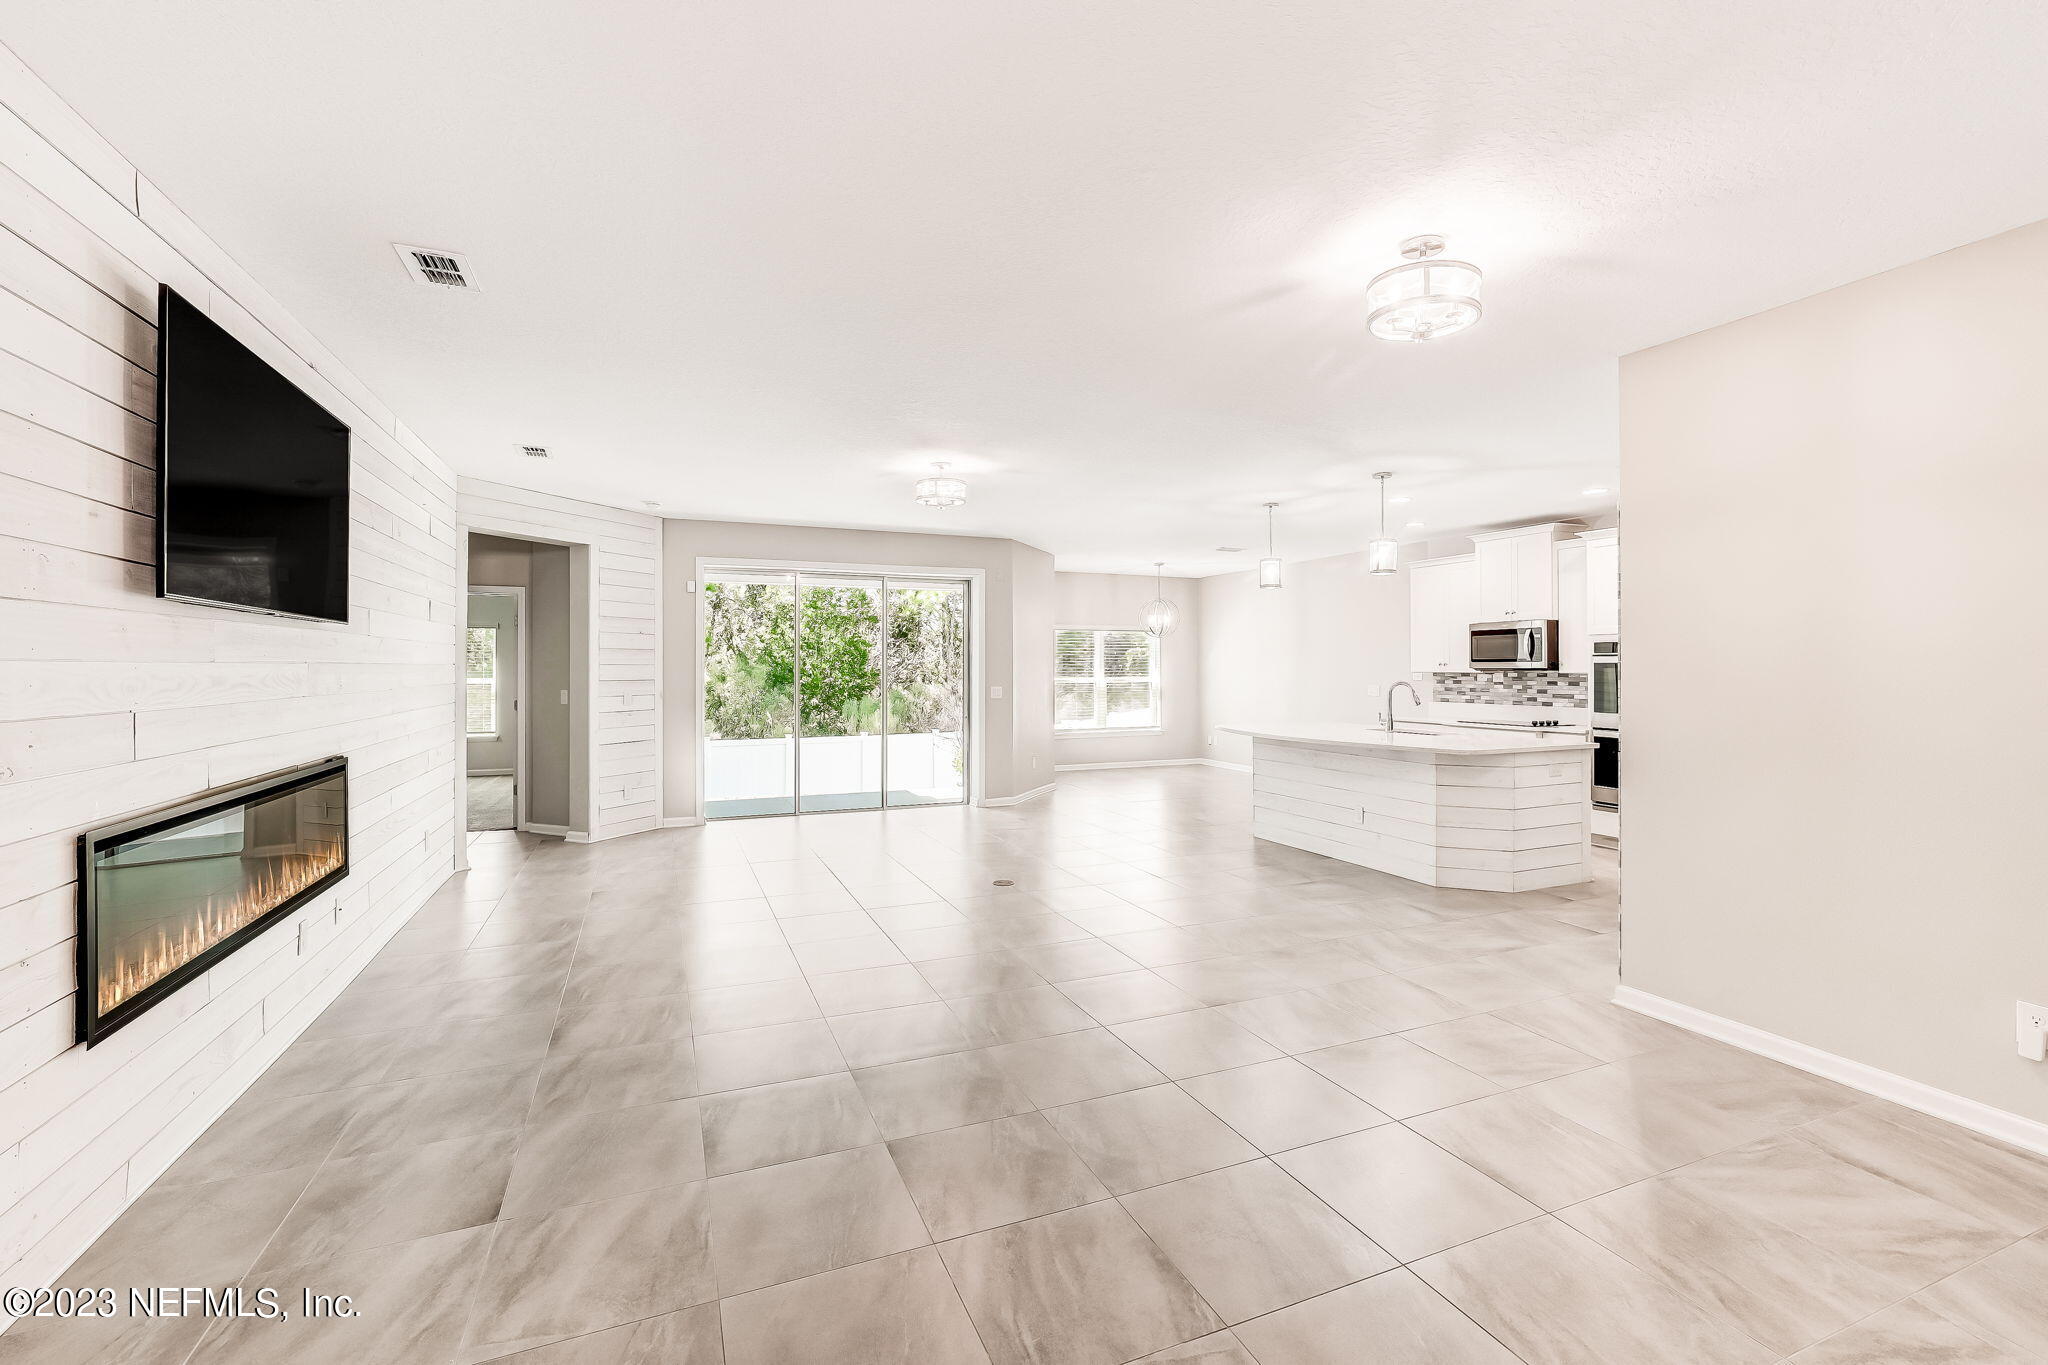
x,y
1415,525
1398,501
1594,492
1230,549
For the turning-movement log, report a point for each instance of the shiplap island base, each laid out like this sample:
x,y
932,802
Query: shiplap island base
x,y
1480,810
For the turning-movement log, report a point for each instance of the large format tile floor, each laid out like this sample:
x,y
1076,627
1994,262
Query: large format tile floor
x,y
1097,1079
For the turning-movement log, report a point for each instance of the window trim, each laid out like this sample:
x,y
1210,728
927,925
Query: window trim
x,y
497,732
1125,731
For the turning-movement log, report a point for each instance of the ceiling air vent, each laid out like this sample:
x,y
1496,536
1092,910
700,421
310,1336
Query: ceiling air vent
x,y
440,269
534,452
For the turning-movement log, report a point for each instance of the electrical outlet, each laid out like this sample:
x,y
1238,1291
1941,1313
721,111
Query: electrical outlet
x,y
2032,1032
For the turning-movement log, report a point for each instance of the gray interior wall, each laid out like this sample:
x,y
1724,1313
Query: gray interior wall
x,y
1017,620
1108,601
548,678
1322,648
1840,502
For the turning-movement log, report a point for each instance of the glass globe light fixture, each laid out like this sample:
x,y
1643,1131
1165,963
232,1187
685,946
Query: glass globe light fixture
x,y
1269,567
1159,616
940,489
1383,554
1426,299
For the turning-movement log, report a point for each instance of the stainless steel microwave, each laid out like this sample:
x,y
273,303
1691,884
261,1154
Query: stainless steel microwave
x,y
1514,644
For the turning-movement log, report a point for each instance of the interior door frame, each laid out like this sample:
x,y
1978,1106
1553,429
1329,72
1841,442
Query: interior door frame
x,y
707,566
519,706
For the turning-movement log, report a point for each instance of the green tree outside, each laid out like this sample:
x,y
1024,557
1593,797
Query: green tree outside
x,y
751,654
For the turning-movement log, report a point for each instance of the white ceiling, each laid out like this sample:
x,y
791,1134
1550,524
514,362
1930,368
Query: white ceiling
x,y
764,261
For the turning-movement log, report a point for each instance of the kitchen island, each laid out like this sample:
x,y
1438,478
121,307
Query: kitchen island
x,y
1481,810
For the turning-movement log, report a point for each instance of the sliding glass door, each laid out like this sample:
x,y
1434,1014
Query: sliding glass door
x,y
833,692
839,693
926,667
750,660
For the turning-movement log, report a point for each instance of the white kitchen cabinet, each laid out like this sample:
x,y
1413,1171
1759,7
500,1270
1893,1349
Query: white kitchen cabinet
x,y
1574,646
1515,578
1603,581
1440,615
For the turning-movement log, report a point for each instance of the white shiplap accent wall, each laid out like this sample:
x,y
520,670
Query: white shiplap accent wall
x,y
113,701
625,548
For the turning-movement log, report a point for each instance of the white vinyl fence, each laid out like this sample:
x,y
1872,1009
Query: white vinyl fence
x,y
758,769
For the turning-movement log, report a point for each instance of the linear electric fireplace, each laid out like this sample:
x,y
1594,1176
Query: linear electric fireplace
x,y
165,895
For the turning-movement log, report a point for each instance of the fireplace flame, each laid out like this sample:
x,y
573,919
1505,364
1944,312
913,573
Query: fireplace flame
x,y
148,958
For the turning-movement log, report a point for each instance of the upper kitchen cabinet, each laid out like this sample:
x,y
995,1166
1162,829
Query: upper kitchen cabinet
x,y
1515,578
1440,615
1603,581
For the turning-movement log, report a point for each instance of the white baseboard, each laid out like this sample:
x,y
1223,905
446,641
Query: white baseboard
x,y
490,772
1154,763
1130,763
681,821
1975,1115
578,836
559,831
1020,798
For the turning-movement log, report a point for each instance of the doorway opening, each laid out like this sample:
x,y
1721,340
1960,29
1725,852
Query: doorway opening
x,y
493,669
834,691
517,686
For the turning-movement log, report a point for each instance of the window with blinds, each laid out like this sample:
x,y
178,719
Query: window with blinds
x,y
480,669
1105,680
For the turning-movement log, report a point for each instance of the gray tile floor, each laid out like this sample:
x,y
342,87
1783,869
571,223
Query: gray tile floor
x,y
1096,1079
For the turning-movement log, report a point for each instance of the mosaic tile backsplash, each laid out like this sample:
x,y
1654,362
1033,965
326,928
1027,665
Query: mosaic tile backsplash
x,y
1513,689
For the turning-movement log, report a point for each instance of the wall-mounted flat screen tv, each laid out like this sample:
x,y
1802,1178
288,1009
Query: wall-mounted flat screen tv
x,y
252,477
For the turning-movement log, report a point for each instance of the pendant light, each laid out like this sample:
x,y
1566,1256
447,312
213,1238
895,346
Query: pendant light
x,y
1383,555
1424,300
1159,615
1269,567
940,489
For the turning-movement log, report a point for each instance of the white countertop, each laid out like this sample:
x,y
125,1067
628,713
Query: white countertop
x,y
1341,735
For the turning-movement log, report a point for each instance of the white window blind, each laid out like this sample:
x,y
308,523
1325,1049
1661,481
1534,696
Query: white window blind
x,y
1105,680
480,666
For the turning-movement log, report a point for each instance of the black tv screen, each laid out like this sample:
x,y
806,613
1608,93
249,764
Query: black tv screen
x,y
252,477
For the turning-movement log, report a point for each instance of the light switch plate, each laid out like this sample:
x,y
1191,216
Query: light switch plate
x,y
995,694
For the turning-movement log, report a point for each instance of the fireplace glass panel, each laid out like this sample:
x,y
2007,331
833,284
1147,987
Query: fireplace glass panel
x,y
172,896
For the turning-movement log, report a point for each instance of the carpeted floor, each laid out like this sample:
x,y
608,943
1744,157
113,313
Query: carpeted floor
x,y
490,803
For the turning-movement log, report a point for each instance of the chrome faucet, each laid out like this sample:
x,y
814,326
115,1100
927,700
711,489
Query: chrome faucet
x,y
1413,695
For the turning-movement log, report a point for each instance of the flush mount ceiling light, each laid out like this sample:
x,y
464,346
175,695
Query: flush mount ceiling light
x,y
1269,567
1383,555
940,489
1426,299
1593,492
1159,615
